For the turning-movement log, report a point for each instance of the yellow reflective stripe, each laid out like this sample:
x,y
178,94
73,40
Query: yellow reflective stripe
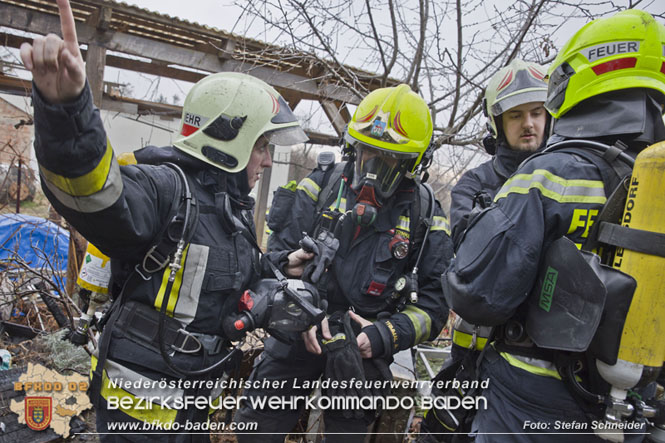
x,y
309,187
555,187
537,370
149,413
86,184
433,410
342,205
422,323
440,224
107,196
291,186
464,340
175,289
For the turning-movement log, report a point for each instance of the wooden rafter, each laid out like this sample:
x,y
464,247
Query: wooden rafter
x,y
174,43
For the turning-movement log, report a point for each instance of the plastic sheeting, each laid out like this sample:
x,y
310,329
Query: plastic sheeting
x,y
39,242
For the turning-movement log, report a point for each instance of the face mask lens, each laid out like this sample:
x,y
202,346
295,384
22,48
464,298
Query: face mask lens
x,y
383,169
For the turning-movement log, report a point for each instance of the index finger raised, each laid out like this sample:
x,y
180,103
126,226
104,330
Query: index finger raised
x,y
68,25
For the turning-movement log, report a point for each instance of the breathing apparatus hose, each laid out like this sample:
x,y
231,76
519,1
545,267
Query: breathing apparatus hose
x,y
596,146
430,217
175,266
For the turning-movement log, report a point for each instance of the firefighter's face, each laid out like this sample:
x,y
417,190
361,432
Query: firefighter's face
x,y
524,126
259,160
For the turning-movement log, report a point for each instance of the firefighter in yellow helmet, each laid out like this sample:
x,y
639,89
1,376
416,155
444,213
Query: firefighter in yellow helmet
x,y
559,313
366,220
169,225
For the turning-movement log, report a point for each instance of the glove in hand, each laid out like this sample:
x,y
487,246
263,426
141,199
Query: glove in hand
x,y
324,247
343,362
377,369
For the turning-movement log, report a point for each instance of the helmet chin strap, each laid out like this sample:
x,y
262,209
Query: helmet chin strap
x,y
366,207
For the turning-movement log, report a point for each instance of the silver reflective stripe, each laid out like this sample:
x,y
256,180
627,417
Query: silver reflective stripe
x,y
98,201
403,224
543,364
440,224
309,187
139,385
554,187
192,281
422,323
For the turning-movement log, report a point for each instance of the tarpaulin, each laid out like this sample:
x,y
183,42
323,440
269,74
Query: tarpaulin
x,y
40,243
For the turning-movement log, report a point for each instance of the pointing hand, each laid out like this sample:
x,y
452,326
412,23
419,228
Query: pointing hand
x,y
56,64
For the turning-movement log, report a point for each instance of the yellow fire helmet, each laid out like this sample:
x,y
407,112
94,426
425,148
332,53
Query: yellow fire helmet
x,y
390,131
624,51
515,84
225,114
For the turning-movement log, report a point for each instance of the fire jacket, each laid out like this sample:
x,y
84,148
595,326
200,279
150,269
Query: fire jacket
x,y
552,195
123,210
478,186
364,271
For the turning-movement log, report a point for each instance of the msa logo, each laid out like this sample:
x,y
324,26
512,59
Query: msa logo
x,y
607,49
549,284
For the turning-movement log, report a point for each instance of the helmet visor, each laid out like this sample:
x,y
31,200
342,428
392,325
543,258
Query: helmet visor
x,y
381,167
557,85
290,135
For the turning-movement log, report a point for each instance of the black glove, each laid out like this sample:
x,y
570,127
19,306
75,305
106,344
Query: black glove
x,y
324,246
343,362
377,369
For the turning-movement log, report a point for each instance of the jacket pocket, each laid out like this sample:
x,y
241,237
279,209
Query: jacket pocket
x,y
222,272
484,229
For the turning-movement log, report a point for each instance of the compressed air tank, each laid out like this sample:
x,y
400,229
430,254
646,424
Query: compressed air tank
x,y
642,347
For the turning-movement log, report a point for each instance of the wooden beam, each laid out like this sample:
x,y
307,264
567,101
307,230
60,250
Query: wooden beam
x,y
337,114
118,106
129,64
262,201
141,107
94,66
31,21
14,85
316,138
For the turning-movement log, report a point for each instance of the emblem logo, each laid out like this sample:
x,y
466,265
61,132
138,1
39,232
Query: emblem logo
x,y
38,412
378,128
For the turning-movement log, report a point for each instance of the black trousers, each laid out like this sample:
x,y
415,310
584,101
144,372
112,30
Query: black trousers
x,y
294,366
105,415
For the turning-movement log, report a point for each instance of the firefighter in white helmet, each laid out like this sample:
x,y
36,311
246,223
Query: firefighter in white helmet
x,y
176,265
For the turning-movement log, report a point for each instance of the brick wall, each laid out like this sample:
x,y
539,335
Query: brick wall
x,y
14,141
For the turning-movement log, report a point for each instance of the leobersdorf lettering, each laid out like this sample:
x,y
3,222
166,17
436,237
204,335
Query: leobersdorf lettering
x,y
603,50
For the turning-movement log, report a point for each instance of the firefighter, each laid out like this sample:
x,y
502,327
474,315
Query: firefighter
x,y
169,225
606,89
518,124
367,219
